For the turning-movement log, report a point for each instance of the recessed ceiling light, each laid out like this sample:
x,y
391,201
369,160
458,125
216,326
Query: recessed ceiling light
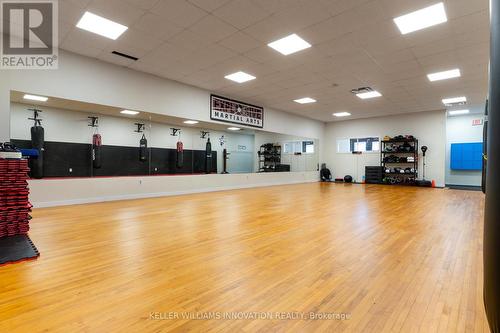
x,y
240,77
369,94
36,98
190,122
129,112
233,128
101,26
289,44
421,19
454,100
457,112
305,100
444,75
342,114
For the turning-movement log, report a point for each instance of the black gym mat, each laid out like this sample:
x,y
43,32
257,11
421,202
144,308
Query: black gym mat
x,y
464,187
17,248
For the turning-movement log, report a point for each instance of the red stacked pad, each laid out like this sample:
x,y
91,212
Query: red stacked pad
x,y
14,197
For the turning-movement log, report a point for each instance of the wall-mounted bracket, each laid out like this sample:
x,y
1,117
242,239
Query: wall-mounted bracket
x,y
93,121
140,127
36,116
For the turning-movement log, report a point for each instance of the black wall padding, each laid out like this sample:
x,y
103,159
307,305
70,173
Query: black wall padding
x,y
120,161
491,253
60,157
116,160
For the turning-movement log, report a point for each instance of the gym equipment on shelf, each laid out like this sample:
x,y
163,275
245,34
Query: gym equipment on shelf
x,y
325,173
37,142
348,179
399,158
17,248
208,156
143,149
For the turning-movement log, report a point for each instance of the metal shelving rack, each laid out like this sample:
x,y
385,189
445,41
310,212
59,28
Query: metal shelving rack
x,y
400,153
269,157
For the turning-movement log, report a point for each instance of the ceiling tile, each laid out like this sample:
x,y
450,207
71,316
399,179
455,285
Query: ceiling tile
x,y
240,42
212,29
116,10
209,5
157,26
179,12
241,13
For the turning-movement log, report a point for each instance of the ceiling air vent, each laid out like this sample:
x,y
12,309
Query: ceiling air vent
x,y
125,55
361,90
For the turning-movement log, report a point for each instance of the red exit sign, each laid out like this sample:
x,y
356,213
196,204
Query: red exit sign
x,y
477,122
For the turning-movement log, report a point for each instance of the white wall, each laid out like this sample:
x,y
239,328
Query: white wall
x,y
71,126
57,192
88,80
459,129
428,127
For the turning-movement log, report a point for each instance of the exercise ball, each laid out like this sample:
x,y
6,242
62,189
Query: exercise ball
x,y
348,179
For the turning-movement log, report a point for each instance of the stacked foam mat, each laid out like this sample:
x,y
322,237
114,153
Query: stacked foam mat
x,y
14,197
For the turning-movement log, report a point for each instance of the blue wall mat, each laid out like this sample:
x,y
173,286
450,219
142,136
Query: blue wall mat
x,y
466,156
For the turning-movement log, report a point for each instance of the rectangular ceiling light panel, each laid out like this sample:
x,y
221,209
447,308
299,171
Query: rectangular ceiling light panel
x,y
289,44
101,26
444,75
240,77
421,19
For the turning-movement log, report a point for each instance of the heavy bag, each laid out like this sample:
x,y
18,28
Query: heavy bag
x,y
180,155
208,157
96,151
491,255
143,149
37,142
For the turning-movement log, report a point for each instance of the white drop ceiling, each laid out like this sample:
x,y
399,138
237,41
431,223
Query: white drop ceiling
x,y
355,43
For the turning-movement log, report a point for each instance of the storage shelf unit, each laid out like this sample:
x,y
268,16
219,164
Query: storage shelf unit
x,y
397,159
269,158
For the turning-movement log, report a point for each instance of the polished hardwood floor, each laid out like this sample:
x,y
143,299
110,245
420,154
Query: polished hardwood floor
x,y
387,259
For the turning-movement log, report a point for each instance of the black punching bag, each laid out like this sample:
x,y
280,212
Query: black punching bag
x,y
180,155
491,253
143,149
208,157
37,142
96,151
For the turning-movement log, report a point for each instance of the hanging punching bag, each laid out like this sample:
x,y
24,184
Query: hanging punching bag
x,y
143,149
37,142
491,253
208,157
96,151
180,155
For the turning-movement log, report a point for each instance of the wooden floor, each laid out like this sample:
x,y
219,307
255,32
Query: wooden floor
x,y
387,259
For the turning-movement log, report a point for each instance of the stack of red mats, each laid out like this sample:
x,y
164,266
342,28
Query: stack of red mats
x,y
14,197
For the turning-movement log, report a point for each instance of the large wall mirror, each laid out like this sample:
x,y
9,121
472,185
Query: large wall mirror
x,y
89,140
